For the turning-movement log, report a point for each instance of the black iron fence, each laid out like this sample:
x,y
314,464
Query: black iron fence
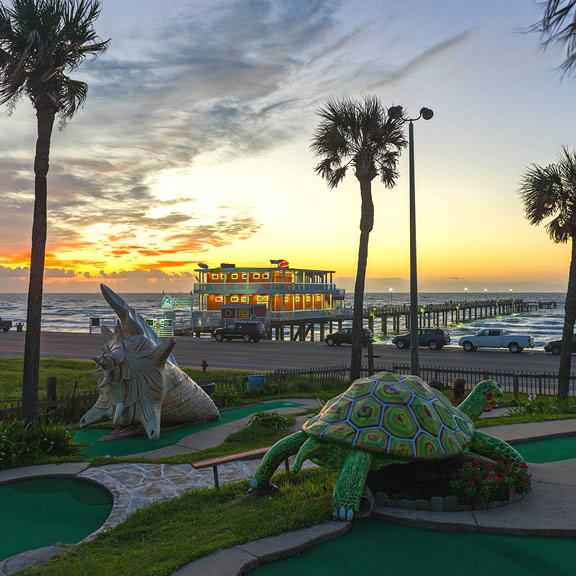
x,y
70,408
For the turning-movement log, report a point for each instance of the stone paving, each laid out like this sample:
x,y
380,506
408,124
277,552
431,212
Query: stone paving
x,y
138,485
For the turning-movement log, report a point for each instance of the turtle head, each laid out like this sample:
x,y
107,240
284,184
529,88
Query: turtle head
x,y
484,394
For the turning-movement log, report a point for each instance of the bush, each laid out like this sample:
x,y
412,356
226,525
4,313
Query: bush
x,y
272,419
539,405
458,388
478,483
226,398
22,443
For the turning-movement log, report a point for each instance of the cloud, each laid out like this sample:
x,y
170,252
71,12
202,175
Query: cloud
x,y
212,83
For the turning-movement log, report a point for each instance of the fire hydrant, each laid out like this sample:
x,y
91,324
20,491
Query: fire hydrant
x,y
204,365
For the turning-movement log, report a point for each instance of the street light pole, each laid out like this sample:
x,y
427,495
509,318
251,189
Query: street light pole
x,y
397,113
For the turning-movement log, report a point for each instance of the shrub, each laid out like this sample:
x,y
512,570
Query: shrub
x,y
539,405
272,419
226,398
458,388
22,443
478,483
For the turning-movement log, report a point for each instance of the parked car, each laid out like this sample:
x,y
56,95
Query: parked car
x,y
5,325
555,346
247,331
434,338
344,336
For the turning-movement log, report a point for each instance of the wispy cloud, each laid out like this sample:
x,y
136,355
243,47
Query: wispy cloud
x,y
216,82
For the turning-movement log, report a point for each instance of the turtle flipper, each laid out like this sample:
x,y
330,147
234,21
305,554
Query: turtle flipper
x,y
350,484
307,450
275,456
494,448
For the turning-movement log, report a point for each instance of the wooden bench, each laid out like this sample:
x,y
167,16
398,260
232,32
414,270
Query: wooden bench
x,y
248,455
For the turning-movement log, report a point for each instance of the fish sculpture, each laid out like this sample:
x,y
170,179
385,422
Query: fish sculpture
x,y
139,379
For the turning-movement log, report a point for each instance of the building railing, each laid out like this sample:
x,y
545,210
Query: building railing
x,y
267,288
307,314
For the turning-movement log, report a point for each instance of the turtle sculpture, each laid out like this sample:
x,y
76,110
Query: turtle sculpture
x,y
381,420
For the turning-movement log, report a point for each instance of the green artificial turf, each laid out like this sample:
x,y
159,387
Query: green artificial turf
x,y
40,512
376,547
168,437
548,449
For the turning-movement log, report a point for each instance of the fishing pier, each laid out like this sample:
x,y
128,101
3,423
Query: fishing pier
x,y
391,320
396,319
383,321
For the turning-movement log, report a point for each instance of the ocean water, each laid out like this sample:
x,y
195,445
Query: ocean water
x,y
72,312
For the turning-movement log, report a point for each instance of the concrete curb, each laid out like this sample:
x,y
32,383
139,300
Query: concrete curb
x,y
246,557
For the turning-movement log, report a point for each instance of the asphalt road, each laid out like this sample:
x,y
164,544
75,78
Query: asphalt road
x,y
269,355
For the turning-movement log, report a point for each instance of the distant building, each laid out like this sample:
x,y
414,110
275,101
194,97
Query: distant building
x,y
287,293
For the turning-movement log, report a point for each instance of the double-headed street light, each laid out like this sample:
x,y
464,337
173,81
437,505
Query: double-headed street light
x,y
396,112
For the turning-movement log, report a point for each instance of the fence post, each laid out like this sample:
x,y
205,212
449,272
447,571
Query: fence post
x,y
51,385
370,359
515,385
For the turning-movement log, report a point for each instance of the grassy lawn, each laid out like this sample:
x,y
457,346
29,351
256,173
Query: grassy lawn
x,y
159,539
155,541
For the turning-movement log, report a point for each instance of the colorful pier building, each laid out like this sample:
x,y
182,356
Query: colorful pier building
x,y
297,297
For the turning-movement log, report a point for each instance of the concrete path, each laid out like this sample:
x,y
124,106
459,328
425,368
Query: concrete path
x,y
549,509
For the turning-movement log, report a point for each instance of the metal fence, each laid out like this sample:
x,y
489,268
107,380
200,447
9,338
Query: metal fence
x,y
70,408
539,383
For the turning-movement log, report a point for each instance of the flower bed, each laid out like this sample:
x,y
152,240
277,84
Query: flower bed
x,y
457,484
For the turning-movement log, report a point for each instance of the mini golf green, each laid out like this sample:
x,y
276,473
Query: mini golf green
x,y
548,449
168,437
38,512
376,547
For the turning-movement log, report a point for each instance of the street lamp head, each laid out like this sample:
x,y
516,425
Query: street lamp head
x,y
426,113
395,112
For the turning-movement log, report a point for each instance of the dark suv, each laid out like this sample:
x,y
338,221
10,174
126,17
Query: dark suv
x,y
344,336
434,338
247,331
555,346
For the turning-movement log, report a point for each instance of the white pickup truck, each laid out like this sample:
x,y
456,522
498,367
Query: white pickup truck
x,y
496,338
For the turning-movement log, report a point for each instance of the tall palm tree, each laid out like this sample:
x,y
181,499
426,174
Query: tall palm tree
x,y
549,193
558,25
40,42
360,135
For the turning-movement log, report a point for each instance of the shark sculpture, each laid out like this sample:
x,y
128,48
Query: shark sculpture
x,y
140,381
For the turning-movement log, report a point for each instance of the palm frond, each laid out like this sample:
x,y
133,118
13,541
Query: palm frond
x,y
558,26
358,134
41,42
550,193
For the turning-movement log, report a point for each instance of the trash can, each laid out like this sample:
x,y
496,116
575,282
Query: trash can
x,y
19,326
208,388
256,381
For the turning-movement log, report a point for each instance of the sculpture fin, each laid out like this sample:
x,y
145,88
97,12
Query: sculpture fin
x,y
131,322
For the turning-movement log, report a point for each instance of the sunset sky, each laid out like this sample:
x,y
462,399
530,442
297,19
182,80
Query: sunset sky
x,y
193,146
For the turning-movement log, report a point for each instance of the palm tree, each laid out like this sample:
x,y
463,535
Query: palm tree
x,y
40,41
549,193
558,25
360,135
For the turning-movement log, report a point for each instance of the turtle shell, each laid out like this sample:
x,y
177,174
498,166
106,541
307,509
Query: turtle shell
x,y
395,415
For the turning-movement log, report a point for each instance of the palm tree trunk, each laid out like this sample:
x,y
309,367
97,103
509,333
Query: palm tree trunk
x,y
366,225
569,320
45,115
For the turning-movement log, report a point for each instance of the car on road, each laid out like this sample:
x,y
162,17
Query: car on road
x,y
434,338
344,336
247,331
496,338
555,346
5,325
